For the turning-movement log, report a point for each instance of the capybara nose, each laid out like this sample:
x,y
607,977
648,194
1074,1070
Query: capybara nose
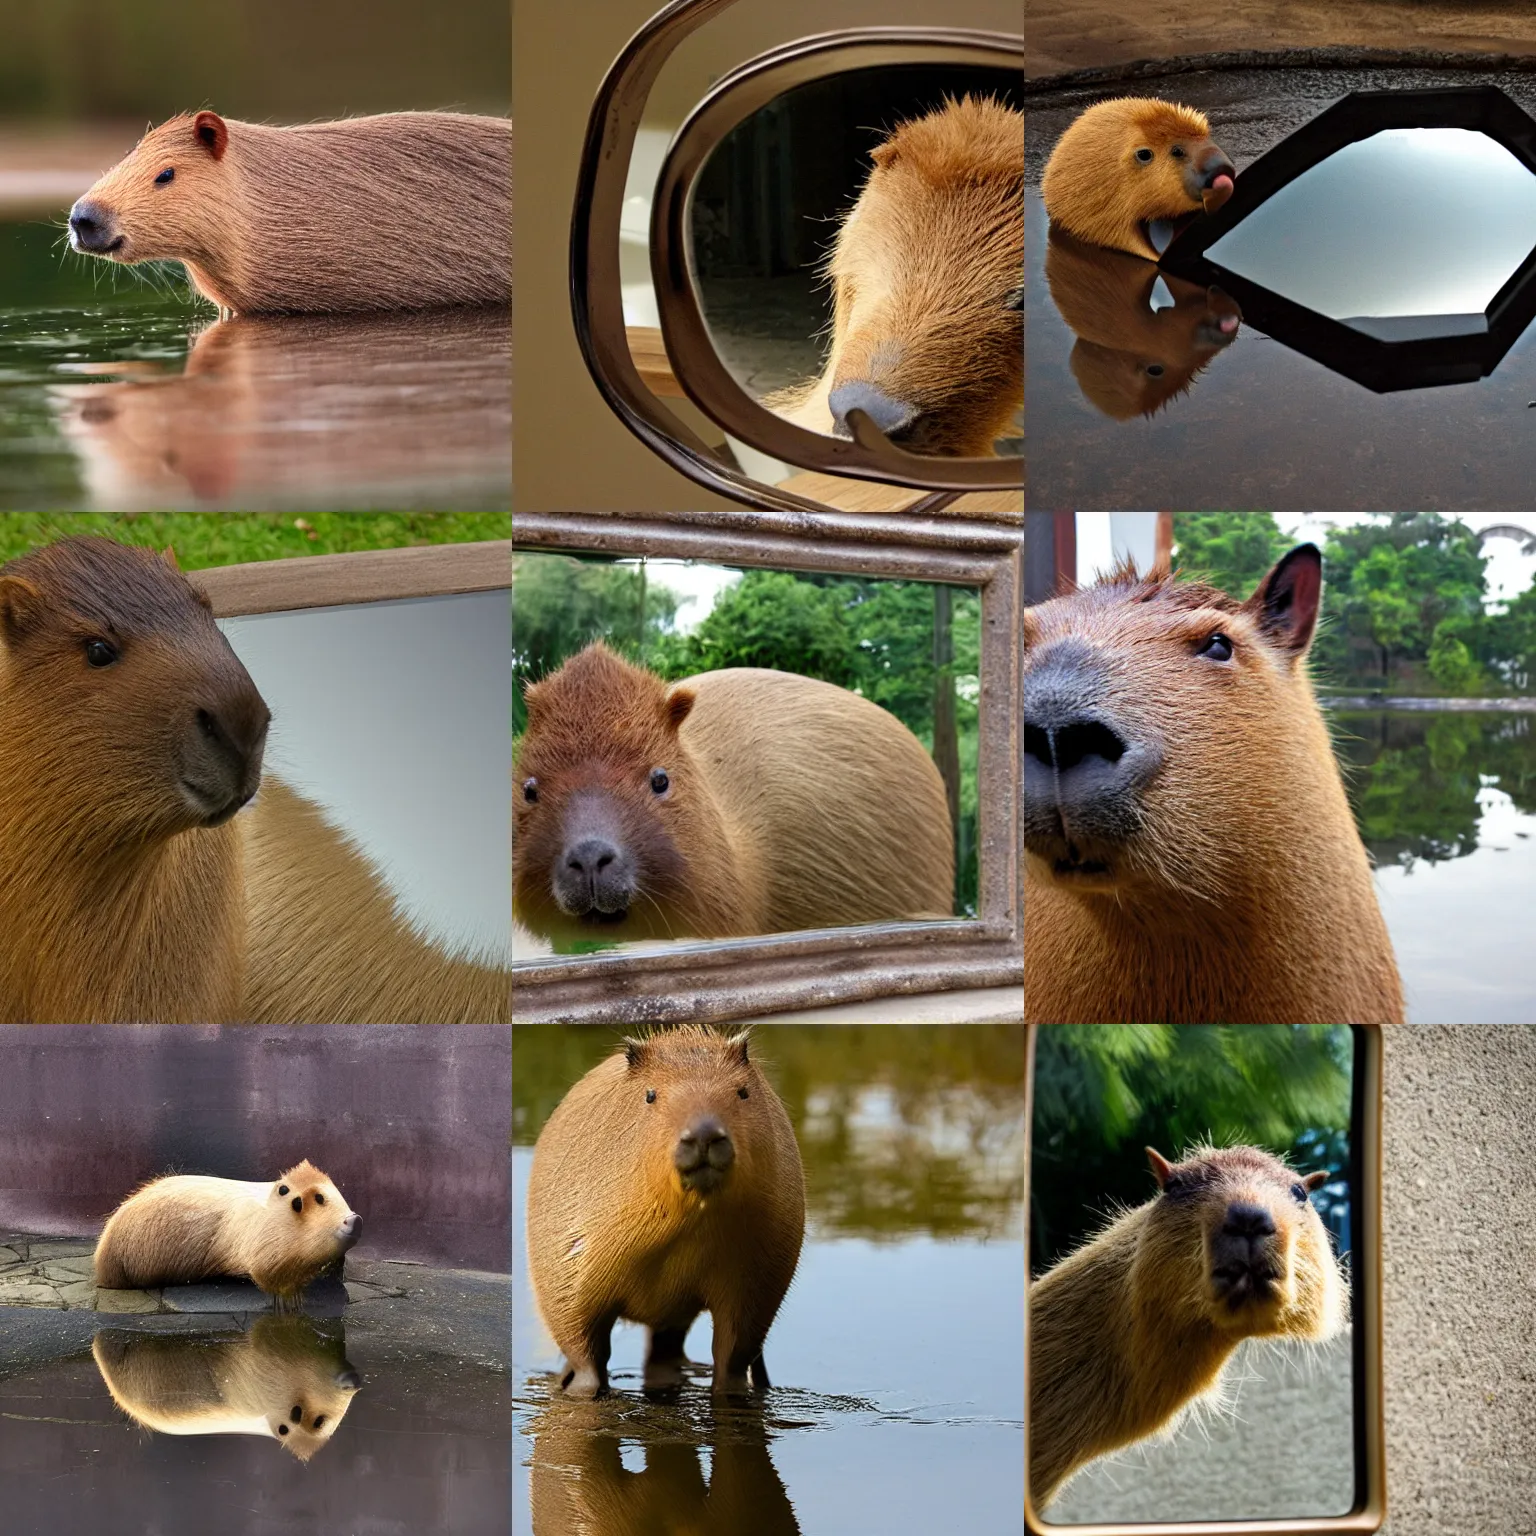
x,y
1245,1219
892,416
350,1230
594,875
704,1143
223,760
348,1379
1215,165
90,226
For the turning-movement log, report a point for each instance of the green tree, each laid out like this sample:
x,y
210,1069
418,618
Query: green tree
x,y
1232,550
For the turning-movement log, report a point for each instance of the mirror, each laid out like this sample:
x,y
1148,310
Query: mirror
x,y
1199,1220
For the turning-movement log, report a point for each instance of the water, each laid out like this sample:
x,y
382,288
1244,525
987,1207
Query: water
x,y
120,390
897,1355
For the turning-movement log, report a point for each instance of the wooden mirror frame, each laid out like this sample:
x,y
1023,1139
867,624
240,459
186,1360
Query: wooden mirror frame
x,y
1365,1168
720,979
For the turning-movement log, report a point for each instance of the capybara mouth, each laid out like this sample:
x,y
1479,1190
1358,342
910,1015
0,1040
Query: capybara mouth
x,y
598,918
213,807
1240,1284
703,1180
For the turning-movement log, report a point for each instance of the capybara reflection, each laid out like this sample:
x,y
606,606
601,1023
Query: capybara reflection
x,y
666,1183
1135,1326
1190,856
927,276
734,802
130,735
186,1227
1127,165
1133,354
284,1378
406,210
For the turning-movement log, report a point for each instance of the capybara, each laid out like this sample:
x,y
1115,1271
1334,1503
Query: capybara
x,y
1127,164
666,1183
130,734
927,275
735,802
1135,1326
1190,856
406,210
1131,359
186,1227
284,1378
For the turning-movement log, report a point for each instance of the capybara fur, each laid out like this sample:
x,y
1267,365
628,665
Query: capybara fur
x,y
1129,1331
187,1227
1130,359
1126,164
130,734
927,275
406,210
734,802
284,1379
666,1183
1190,856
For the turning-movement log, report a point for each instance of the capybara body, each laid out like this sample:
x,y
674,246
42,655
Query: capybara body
x,y
406,210
1190,856
1131,358
734,802
188,1227
130,734
928,289
283,1379
1129,163
666,1183
1135,1326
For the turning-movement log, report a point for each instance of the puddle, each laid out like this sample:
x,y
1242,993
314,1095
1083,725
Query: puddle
x,y
122,392
1237,419
897,1356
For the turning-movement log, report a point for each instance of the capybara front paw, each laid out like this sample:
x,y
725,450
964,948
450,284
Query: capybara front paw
x,y
584,1381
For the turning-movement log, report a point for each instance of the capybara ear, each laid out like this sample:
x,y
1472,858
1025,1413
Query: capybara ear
x,y
1318,1179
1161,1167
533,694
169,557
885,155
21,606
1286,603
211,133
679,703
738,1045
634,1053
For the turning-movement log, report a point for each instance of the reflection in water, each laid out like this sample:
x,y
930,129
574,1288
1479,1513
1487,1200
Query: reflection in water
x,y
1142,336
284,1379
341,410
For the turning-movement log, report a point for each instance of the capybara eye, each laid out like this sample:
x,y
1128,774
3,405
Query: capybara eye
x,y
1144,156
741,1093
1217,648
99,654
282,1189
650,1095
298,1202
319,1420
1154,370
530,790
168,174
1299,1193
660,783
1177,151
319,1199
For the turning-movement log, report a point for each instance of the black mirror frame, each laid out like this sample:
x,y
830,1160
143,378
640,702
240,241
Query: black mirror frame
x,y
1381,366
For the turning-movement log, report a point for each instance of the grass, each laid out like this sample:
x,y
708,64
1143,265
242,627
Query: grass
x,y
203,539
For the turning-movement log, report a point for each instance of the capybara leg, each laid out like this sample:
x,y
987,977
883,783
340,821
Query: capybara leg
x,y
758,1371
664,1358
586,1367
733,1358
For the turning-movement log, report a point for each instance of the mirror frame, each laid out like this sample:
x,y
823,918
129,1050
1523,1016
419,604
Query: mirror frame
x,y
1365,1158
597,299
1381,366
720,979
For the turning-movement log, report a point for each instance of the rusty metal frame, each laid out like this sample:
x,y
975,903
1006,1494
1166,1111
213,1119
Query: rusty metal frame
x,y
723,979
1370,1503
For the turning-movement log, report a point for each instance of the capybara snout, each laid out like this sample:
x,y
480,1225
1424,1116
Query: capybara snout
x,y
703,1152
596,875
222,753
93,228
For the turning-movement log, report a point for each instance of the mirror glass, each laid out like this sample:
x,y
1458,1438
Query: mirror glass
x,y
1238,1300
696,744
1354,238
858,242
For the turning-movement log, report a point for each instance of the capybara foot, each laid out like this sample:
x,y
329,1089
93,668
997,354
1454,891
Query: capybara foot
x,y
738,1379
584,1380
664,1361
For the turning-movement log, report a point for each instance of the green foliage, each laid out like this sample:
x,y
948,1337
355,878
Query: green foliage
x,y
1232,550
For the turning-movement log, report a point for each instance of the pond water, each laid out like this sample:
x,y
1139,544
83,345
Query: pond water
x,y
1150,398
897,1357
120,390
1446,802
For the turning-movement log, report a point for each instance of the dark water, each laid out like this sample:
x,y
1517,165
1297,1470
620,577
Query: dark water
x,y
1243,422
120,390
1446,802
897,1356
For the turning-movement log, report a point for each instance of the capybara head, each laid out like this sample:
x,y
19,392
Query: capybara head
x,y
172,197
928,284
1142,336
1265,1265
1127,163
609,803
308,1227
1171,738
133,716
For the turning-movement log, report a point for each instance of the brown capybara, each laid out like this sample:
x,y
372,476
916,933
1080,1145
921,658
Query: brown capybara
x,y
666,1183
1130,163
927,276
187,1227
735,802
284,1379
130,734
1135,1326
1131,359
406,210
1190,856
